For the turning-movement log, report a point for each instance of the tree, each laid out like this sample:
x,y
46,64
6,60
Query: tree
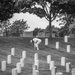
x,y
18,26
5,26
49,9
35,31
7,9
63,31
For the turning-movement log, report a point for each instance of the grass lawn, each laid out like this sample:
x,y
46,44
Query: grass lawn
x,y
21,43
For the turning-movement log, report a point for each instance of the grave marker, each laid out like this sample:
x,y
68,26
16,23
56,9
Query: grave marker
x,y
12,51
14,71
57,45
68,48
66,39
46,41
22,62
68,67
51,64
37,63
48,59
9,59
62,61
73,71
35,70
18,66
3,65
23,54
35,56
53,71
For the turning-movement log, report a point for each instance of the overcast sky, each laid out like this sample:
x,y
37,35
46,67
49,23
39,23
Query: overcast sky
x,y
33,21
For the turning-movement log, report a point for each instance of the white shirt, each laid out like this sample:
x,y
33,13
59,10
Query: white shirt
x,y
36,40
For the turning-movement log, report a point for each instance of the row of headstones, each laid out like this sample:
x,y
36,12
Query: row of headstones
x,y
35,67
52,66
9,59
57,43
65,40
68,47
19,65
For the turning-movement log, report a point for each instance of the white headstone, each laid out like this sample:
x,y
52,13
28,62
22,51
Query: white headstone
x,y
3,65
37,63
59,73
62,61
68,67
66,39
12,51
57,45
22,62
51,64
23,54
53,71
14,71
18,66
48,59
46,41
35,56
9,59
68,48
73,71
35,70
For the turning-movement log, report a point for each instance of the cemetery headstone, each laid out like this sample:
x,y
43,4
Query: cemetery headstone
x,y
35,56
53,72
62,61
68,67
48,59
3,65
18,66
9,59
57,45
68,48
66,39
73,71
35,70
37,63
12,51
14,71
46,41
23,54
51,64
22,62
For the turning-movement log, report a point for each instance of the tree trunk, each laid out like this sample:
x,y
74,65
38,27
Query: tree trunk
x,y
6,32
50,27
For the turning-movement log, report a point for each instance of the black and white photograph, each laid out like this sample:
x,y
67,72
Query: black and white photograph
x,y
37,37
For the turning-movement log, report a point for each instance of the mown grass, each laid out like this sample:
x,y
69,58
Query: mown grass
x,y
21,43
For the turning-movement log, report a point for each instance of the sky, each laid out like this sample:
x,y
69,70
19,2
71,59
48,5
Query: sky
x,y
33,21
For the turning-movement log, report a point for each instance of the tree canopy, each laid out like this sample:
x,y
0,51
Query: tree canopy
x,y
18,26
49,9
35,31
9,7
